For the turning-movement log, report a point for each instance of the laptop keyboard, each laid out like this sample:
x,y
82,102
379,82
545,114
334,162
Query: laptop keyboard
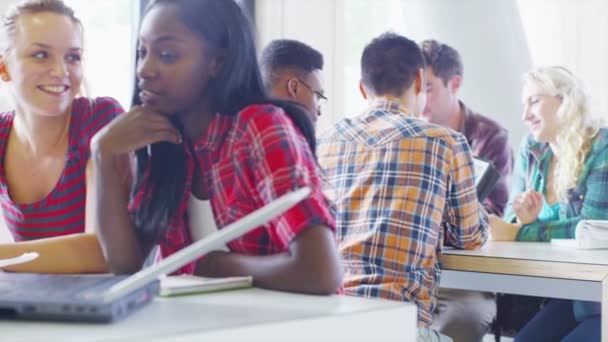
x,y
25,285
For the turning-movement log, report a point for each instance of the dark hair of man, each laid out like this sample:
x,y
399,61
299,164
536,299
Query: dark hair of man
x,y
282,54
225,29
443,59
389,64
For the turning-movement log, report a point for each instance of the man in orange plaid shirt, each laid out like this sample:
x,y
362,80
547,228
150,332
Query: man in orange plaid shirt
x,y
402,187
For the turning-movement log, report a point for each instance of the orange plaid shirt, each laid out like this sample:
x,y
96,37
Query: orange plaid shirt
x,y
402,188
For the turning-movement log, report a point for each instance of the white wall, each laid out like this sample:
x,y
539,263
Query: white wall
x,y
317,23
571,34
490,38
4,4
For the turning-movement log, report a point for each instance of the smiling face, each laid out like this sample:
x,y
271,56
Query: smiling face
x,y
173,66
540,115
43,67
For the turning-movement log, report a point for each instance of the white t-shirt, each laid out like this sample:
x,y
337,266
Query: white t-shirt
x,y
201,219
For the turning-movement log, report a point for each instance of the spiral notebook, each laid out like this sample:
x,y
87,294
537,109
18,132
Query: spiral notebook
x,y
189,284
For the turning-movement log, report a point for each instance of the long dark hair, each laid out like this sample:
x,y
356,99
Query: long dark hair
x,y
223,27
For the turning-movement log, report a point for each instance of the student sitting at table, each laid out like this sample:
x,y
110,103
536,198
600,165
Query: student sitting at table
x,y
561,177
403,187
208,140
293,71
45,172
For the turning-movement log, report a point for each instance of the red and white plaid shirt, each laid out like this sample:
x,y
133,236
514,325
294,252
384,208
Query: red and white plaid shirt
x,y
249,160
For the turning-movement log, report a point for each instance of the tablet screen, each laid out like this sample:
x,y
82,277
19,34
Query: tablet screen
x,y
481,166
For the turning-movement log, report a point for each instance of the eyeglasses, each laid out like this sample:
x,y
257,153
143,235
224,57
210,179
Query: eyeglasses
x,y
320,96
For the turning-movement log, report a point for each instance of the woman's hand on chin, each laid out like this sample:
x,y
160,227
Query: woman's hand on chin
x,y
133,130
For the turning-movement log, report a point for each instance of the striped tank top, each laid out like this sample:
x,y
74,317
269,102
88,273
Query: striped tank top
x,y
62,211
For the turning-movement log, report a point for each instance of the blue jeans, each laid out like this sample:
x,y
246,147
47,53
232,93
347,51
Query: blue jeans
x,y
556,322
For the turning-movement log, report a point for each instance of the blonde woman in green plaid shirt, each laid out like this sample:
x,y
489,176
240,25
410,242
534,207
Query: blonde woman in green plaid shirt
x,y
561,177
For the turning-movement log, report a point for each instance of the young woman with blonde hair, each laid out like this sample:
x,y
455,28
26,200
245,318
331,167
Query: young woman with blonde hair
x,y
561,177
45,173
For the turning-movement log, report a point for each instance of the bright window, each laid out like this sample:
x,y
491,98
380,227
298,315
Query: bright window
x,y
386,15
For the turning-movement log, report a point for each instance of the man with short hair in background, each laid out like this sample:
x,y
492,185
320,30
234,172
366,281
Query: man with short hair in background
x,y
402,187
465,315
292,71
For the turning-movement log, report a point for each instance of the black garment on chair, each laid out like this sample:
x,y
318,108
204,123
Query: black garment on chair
x,y
513,312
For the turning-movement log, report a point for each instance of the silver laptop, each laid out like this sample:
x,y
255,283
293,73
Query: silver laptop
x,y
103,298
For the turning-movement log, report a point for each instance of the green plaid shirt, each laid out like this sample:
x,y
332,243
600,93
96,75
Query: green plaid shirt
x,y
587,200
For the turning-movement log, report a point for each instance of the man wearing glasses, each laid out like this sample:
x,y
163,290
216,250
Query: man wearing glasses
x,y
292,71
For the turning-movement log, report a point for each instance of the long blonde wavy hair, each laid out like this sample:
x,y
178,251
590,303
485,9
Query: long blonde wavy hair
x,y
576,125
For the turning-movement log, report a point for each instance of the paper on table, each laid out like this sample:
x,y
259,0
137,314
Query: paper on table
x,y
572,243
188,284
25,257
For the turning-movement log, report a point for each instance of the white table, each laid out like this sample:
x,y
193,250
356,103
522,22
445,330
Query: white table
x,y
243,315
530,268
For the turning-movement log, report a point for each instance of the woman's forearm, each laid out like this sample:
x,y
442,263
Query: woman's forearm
x,y
78,253
116,234
277,272
311,265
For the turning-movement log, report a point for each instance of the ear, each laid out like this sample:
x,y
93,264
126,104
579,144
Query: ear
x,y
293,87
216,66
454,83
419,85
362,90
